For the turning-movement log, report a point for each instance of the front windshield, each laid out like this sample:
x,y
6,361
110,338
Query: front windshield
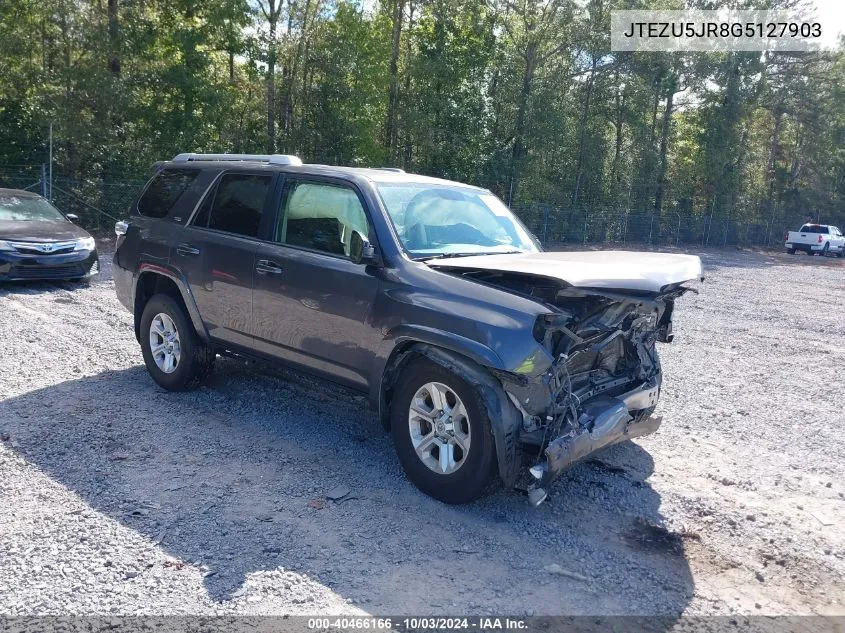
x,y
440,220
28,209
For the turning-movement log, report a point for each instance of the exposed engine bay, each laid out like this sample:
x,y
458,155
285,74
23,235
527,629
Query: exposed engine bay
x,y
604,381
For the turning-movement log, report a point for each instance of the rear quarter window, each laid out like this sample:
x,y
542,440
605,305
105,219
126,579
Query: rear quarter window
x,y
236,204
164,191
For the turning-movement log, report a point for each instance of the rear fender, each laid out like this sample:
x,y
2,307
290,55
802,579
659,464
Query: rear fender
x,y
184,289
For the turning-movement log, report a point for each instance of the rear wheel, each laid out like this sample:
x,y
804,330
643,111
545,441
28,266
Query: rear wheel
x,y
175,356
824,251
791,251
442,434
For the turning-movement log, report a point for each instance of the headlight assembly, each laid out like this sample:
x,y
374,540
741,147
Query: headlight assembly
x,y
85,244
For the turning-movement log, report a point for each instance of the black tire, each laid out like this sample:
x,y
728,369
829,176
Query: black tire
x,y
477,475
196,359
791,251
824,251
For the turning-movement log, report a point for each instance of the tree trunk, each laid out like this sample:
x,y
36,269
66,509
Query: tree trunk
x,y
114,38
770,165
190,57
393,95
290,92
795,169
519,149
618,122
272,20
664,147
408,143
585,114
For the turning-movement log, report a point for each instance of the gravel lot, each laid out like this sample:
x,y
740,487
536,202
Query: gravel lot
x,y
118,497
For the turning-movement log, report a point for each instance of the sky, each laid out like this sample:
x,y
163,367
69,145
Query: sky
x,y
831,15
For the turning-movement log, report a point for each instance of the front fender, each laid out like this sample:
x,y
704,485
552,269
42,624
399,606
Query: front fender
x,y
402,337
474,350
505,419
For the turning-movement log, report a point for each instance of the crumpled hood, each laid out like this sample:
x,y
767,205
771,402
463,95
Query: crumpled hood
x,y
618,270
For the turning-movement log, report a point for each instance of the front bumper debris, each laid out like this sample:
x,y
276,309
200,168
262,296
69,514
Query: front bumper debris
x,y
615,425
602,423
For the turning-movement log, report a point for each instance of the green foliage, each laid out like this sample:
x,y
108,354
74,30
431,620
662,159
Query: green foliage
x,y
521,96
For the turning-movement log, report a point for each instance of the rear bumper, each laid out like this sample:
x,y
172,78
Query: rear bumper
x,y
812,248
123,284
794,246
22,267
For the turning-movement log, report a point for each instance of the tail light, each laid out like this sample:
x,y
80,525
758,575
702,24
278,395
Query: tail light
x,y
786,235
820,238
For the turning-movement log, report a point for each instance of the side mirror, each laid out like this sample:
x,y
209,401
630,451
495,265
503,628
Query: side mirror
x,y
72,217
360,250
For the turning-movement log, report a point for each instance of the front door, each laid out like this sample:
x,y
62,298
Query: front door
x,y
217,251
311,303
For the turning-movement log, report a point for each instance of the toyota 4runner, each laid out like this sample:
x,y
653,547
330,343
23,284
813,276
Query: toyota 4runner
x,y
482,353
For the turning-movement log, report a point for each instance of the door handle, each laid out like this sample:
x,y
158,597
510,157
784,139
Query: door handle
x,y
187,249
265,267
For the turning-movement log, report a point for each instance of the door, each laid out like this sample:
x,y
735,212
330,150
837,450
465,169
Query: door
x,y
217,249
311,303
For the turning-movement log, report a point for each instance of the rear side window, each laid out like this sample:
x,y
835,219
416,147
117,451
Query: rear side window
x,y
236,205
813,228
164,190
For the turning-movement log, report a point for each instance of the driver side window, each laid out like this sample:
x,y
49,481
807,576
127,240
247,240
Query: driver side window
x,y
320,217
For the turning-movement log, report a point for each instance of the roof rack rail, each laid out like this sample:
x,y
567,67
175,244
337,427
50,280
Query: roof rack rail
x,y
273,159
394,169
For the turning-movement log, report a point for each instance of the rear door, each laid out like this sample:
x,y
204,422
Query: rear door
x,y
171,194
217,249
312,304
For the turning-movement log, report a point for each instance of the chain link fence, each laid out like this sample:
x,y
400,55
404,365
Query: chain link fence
x,y
99,203
586,225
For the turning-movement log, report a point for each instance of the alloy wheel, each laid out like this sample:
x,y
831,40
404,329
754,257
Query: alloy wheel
x,y
165,345
439,428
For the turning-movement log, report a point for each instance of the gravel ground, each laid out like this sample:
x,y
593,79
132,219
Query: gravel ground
x,y
118,497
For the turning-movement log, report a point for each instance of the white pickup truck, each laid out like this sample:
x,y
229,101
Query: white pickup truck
x,y
816,238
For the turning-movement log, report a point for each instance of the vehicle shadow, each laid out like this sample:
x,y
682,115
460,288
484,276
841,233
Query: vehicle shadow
x,y
41,287
235,476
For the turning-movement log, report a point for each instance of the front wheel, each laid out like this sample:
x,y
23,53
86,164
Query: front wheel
x,y
442,434
175,356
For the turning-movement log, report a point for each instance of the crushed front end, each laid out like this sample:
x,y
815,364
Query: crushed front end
x,y
603,382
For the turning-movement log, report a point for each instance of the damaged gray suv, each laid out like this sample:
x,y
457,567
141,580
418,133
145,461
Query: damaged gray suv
x,y
484,356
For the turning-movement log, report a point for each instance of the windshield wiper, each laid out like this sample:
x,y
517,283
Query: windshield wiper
x,y
451,255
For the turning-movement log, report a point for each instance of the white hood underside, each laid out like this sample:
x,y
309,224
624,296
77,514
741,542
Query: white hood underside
x,y
618,270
